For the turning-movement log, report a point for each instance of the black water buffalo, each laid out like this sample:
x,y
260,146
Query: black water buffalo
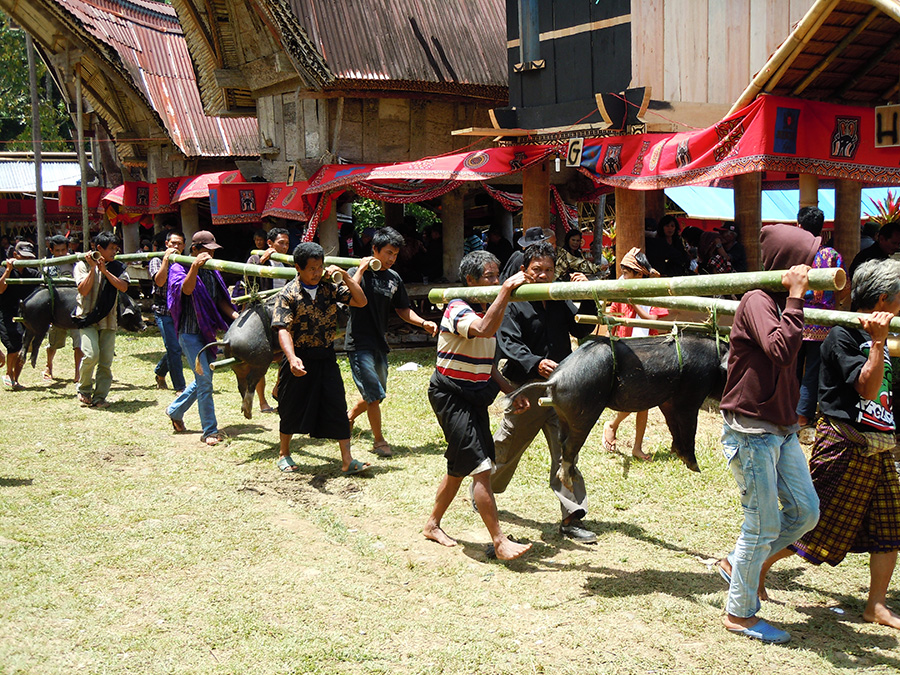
x,y
38,313
674,374
251,340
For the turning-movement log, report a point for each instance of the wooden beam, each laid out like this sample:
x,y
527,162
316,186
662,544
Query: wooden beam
x,y
630,213
230,78
748,214
210,44
847,216
867,67
536,196
834,53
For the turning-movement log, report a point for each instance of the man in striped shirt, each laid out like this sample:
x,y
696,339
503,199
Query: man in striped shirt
x,y
463,385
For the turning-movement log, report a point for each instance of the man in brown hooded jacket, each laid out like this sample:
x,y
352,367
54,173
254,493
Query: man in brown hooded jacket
x,y
760,427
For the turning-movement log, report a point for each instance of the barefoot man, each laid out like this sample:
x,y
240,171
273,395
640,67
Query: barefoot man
x,y
463,385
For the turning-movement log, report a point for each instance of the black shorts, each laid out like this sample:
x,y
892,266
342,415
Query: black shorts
x,y
463,416
10,332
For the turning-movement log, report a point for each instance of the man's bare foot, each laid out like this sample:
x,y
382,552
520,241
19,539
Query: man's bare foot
x,y
609,437
435,533
725,566
737,622
510,550
882,615
637,453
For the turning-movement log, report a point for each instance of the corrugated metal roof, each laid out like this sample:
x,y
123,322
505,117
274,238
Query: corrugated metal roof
x,y
19,176
447,43
149,41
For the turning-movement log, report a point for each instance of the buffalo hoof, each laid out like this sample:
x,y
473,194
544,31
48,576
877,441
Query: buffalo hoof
x,y
247,406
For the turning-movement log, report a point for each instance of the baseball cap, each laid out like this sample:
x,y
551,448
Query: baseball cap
x,y
25,249
205,239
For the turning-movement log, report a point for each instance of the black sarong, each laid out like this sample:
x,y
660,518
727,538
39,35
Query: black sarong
x,y
463,416
313,404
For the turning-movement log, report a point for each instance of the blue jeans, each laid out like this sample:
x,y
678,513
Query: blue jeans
x,y
370,373
767,468
170,363
811,358
200,390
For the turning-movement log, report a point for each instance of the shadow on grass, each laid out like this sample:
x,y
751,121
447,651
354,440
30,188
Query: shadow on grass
x,y
825,629
15,482
130,406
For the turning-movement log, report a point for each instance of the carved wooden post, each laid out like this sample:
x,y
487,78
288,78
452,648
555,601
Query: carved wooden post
x,y
629,223
748,214
847,215
536,196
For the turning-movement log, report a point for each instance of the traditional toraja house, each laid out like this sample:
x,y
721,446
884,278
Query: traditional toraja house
x,y
128,62
366,81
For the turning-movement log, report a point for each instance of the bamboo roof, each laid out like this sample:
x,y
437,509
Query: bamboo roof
x,y
842,51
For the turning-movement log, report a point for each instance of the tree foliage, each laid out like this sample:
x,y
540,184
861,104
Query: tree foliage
x,y
15,99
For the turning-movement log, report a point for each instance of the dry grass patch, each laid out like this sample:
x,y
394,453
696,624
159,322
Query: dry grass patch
x,y
127,549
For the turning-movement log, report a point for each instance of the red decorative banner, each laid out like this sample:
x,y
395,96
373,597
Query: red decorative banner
x,y
237,202
773,133
287,202
162,195
197,187
70,198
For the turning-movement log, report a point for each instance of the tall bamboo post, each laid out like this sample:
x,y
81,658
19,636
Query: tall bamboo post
x,y
82,159
536,196
629,223
847,215
452,219
36,145
809,190
748,214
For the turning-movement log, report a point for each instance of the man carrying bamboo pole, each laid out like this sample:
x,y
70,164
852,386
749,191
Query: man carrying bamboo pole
x,y
99,278
759,436
10,332
56,337
534,338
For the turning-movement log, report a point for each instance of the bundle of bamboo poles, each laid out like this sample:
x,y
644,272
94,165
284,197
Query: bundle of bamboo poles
x,y
832,279
346,263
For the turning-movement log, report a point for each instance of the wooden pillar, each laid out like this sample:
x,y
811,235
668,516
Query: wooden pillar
x,y
536,196
131,237
452,220
629,223
157,222
190,221
748,214
847,216
655,204
809,190
82,159
393,215
328,233
37,145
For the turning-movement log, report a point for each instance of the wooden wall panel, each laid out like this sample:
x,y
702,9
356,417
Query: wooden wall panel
x,y
393,129
370,130
264,110
278,122
686,44
647,45
350,142
312,142
290,151
728,49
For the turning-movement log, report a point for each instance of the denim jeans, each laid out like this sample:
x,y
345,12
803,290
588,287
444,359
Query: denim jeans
x,y
99,347
811,358
767,468
370,372
200,390
170,363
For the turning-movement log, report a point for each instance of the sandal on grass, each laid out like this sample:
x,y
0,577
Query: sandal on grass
x,y
382,449
212,439
268,409
178,426
608,445
287,464
355,467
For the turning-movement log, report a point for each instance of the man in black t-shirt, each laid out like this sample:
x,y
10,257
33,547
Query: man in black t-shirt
x,y
10,332
365,343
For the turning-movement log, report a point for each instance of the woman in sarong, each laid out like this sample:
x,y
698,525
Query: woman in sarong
x,y
851,465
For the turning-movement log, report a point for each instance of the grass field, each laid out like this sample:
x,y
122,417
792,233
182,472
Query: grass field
x,y
126,549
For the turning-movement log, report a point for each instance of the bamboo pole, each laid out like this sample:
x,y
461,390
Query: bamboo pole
x,y
76,257
63,282
619,289
592,320
818,317
241,299
221,363
346,263
38,149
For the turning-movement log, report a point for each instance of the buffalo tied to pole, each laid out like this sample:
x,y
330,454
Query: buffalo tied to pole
x,y
39,312
675,373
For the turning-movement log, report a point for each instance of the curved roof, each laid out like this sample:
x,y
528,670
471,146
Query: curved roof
x,y
442,45
147,42
842,51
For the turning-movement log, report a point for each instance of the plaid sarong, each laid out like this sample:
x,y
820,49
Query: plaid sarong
x,y
859,500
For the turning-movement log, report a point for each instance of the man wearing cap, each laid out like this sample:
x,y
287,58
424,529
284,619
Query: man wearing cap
x,y
10,333
734,248
99,283
199,305
532,235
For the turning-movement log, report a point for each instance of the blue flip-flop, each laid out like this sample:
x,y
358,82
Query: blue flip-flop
x,y
287,464
764,632
355,467
722,572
